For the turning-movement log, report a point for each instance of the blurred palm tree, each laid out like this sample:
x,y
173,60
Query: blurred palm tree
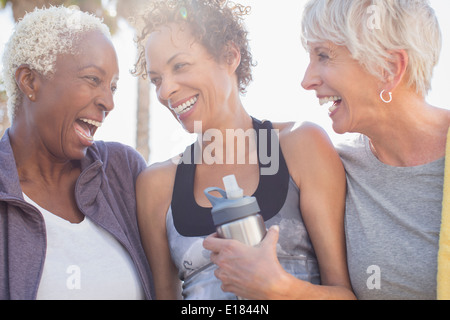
x,y
110,11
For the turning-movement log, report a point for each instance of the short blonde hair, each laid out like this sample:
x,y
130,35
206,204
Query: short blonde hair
x,y
370,28
38,39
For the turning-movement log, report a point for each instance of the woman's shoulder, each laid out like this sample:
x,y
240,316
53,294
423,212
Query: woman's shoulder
x,y
306,148
159,175
154,189
301,133
117,156
116,150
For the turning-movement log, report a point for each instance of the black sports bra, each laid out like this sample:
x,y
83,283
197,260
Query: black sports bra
x,y
192,220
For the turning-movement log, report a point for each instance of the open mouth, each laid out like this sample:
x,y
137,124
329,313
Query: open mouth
x,y
86,128
335,100
186,106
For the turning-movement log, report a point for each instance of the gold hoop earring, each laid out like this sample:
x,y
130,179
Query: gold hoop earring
x,y
384,100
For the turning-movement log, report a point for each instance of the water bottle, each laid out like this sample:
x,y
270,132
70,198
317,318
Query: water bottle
x,y
236,216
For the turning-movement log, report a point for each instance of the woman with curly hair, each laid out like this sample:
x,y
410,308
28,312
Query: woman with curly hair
x,y
197,56
68,227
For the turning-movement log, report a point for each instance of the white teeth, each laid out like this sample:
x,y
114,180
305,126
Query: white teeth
x,y
185,107
92,122
325,100
332,108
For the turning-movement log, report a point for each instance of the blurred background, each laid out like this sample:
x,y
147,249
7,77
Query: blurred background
x,y
276,94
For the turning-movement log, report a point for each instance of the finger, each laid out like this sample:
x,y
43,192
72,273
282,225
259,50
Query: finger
x,y
271,238
226,285
214,257
213,243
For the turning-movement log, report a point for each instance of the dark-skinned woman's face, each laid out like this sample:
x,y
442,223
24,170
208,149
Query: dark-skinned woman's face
x,y
73,103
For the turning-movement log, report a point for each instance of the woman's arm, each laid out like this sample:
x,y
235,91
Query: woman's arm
x,y
320,176
154,193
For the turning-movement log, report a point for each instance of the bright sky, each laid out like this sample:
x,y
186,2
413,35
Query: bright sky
x,y
275,94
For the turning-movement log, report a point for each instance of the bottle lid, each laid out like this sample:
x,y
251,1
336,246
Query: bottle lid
x,y
227,208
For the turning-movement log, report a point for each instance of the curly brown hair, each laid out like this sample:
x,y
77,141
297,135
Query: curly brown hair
x,y
214,23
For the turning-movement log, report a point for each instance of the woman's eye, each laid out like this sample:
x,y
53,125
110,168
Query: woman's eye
x,y
323,56
155,81
179,66
93,79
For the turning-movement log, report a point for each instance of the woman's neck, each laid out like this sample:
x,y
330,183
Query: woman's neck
x,y
409,134
230,138
33,161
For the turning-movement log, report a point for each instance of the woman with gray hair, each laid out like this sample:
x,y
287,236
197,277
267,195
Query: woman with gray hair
x,y
373,62
68,226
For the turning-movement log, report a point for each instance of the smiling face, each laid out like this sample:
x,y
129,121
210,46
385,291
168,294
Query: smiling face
x,y
75,100
341,81
188,80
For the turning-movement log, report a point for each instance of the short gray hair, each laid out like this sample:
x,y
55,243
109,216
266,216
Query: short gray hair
x,y
38,39
371,28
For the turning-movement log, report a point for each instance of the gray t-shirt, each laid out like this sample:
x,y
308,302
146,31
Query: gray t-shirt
x,y
393,218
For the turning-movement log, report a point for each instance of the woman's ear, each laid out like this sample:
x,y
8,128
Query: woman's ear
x,y
27,81
232,57
398,62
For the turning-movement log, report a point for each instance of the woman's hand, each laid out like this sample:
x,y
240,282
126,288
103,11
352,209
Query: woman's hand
x,y
248,272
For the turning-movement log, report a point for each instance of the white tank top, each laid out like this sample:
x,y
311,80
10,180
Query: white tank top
x,y
83,261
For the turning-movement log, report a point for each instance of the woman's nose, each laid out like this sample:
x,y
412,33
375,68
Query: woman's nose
x,y
167,89
311,79
106,100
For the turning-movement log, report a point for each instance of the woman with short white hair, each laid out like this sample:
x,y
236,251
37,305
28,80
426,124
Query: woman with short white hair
x,y
68,226
373,62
